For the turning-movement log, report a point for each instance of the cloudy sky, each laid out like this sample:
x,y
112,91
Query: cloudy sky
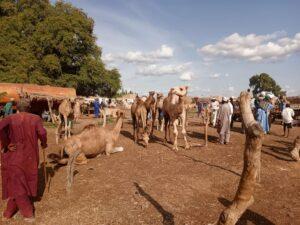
x,y
212,46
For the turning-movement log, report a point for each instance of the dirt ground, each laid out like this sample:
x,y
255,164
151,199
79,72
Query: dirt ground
x,y
159,186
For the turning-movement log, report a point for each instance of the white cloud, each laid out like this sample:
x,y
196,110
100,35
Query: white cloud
x,y
252,47
215,75
164,52
186,76
226,75
158,70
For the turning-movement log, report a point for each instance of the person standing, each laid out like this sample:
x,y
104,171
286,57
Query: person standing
x,y
214,111
223,121
97,108
20,160
8,108
287,119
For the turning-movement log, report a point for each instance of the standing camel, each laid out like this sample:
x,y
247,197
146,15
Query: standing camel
x,y
150,103
65,110
77,110
139,117
174,110
159,111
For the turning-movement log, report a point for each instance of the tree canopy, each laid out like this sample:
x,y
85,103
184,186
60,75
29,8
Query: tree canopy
x,y
264,82
43,43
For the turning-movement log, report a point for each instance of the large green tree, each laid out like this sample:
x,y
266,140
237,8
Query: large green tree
x,y
264,82
43,43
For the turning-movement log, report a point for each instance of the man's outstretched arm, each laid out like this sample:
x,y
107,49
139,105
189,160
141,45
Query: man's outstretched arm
x,y
42,133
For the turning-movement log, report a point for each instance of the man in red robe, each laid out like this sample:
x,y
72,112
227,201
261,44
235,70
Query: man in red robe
x,y
20,160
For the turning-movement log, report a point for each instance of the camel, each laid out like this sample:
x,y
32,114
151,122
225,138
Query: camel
x,y
91,142
175,110
150,103
139,117
65,110
295,153
109,112
77,110
159,111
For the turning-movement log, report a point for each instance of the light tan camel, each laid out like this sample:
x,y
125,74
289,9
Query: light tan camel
x,y
295,153
65,111
150,104
175,110
159,111
91,142
139,118
108,112
77,110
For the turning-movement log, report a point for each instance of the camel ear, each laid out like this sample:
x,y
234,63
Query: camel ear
x,y
186,87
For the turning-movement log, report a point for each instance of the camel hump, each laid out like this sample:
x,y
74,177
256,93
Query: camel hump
x,y
90,126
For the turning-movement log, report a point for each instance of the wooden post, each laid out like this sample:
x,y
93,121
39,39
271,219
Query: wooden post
x,y
251,171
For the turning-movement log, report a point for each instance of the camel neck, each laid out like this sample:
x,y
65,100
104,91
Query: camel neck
x,y
118,126
174,99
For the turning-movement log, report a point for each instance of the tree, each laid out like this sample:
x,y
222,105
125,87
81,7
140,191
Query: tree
x,y
264,82
50,44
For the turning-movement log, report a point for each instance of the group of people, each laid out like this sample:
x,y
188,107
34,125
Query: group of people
x,y
221,116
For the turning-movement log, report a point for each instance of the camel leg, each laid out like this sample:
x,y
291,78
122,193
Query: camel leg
x,y
175,131
153,121
166,128
183,131
104,118
66,126
81,159
58,131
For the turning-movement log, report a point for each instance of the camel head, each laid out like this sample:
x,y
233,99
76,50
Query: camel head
x,y
120,113
151,93
160,95
180,90
145,137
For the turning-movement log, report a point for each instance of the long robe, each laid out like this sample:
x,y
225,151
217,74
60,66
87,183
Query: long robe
x,y
261,117
224,118
96,108
19,169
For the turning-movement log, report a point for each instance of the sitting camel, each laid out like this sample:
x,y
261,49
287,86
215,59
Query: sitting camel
x,y
139,117
174,110
91,142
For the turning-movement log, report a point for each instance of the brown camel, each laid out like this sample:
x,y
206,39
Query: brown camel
x,y
295,153
64,110
150,104
91,142
175,110
159,110
139,118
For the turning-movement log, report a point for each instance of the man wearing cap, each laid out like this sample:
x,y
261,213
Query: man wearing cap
x,y
19,135
223,121
8,108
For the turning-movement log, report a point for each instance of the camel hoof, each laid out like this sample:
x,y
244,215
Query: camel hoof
x,y
187,147
175,149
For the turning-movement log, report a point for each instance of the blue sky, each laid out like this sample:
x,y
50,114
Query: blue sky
x,y
212,46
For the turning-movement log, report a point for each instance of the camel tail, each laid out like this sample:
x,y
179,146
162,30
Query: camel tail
x,y
70,169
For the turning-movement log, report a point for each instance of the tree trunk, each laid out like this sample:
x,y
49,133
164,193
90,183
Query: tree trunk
x,y
251,171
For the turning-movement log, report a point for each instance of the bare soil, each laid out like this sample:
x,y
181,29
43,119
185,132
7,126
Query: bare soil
x,y
159,186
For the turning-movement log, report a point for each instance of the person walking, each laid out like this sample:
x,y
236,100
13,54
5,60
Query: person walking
x,y
20,160
97,108
223,121
287,119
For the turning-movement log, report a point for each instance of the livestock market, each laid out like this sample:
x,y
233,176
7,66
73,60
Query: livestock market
x,y
102,122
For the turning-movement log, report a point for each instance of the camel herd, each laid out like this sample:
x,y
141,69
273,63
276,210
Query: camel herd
x,y
169,111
